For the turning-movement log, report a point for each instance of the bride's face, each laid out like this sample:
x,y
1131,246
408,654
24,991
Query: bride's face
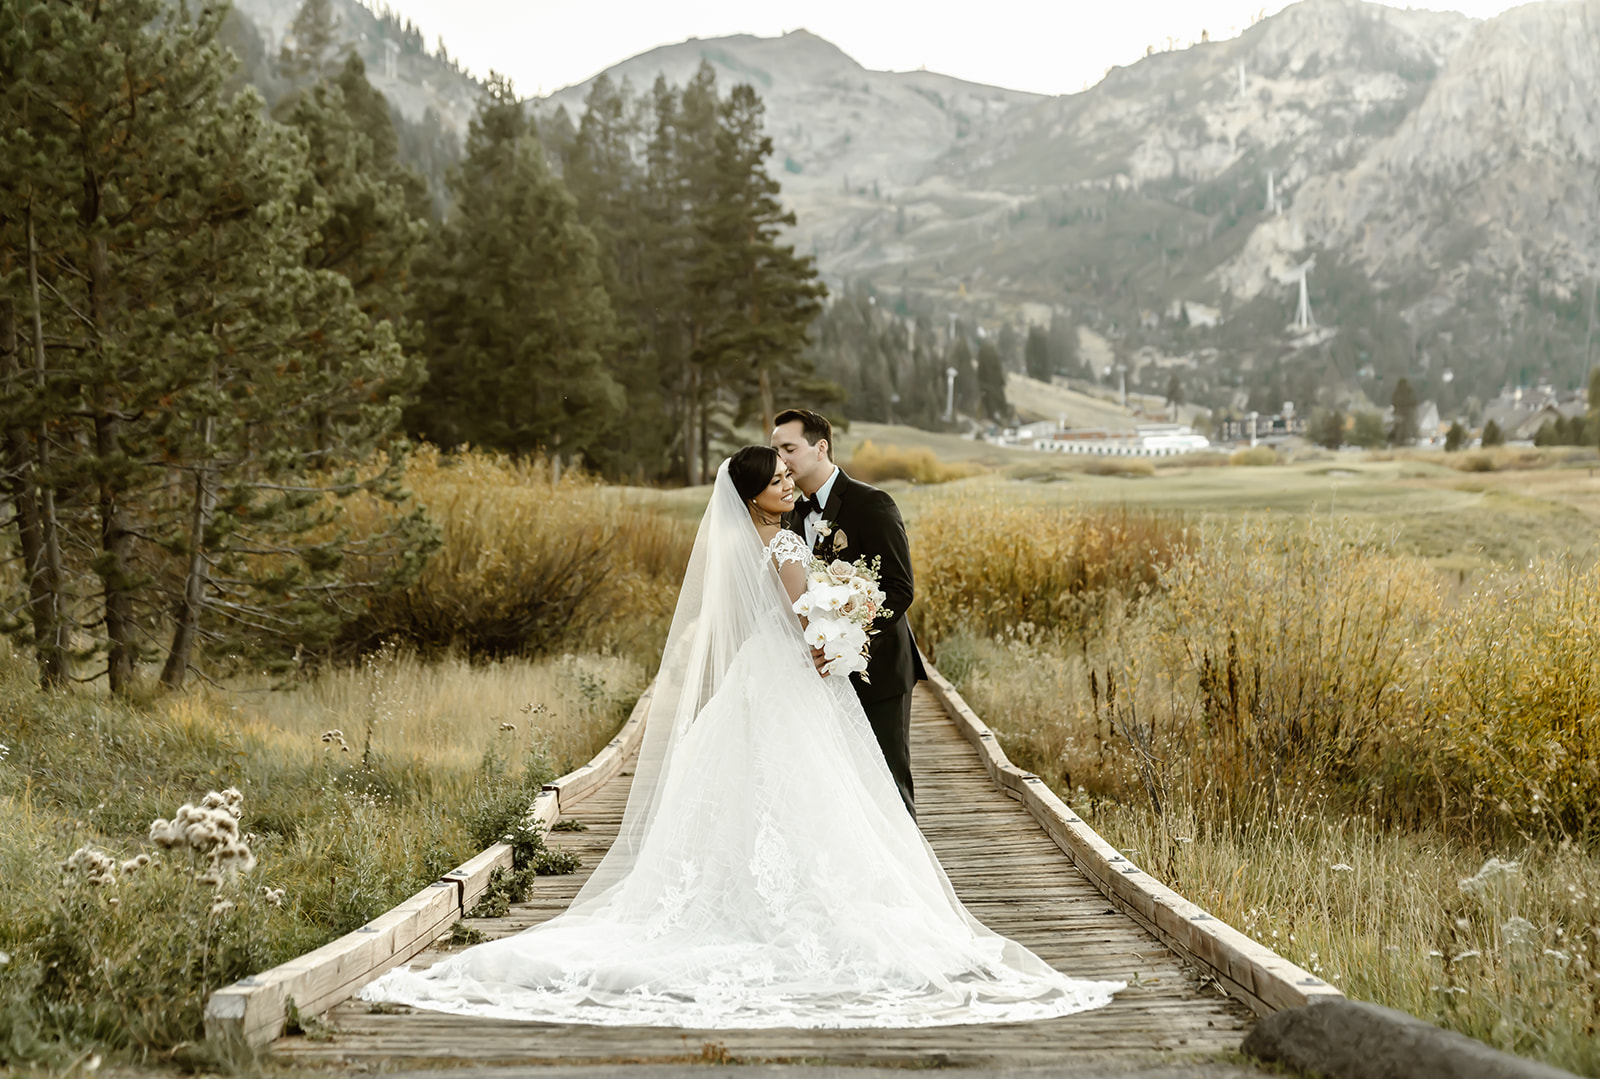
x,y
778,496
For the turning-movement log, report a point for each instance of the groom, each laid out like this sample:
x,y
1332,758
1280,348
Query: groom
x,y
845,518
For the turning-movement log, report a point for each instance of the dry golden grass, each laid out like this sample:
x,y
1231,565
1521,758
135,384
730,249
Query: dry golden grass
x,y
984,564
445,712
1519,665
1518,458
1303,732
874,464
527,564
1254,457
1408,919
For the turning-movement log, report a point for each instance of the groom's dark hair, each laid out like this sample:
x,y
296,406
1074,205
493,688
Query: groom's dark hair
x,y
814,425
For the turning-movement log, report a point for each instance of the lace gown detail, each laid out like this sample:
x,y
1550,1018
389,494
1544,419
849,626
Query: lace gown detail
x,y
767,874
787,547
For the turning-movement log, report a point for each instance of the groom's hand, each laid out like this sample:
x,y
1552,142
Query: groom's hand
x,y
818,659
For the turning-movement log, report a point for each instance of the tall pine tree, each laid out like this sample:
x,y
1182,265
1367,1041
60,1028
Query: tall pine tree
x,y
516,324
764,296
148,225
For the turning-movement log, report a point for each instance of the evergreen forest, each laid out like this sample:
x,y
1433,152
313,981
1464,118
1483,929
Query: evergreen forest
x,y
236,291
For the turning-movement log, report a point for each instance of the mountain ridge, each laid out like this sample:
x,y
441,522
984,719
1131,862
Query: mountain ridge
x,y
1431,174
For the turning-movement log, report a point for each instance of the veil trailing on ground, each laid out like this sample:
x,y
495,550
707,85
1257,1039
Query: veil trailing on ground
x,y
731,594
767,873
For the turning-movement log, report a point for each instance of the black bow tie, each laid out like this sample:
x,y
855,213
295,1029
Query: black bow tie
x,y
805,506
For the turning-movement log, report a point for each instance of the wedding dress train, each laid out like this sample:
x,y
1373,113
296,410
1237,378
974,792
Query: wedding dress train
x,y
767,874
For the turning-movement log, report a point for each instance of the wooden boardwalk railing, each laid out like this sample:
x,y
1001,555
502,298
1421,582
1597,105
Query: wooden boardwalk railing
x,y
1020,860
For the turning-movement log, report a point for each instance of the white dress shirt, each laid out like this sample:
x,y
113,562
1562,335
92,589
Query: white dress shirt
x,y
815,516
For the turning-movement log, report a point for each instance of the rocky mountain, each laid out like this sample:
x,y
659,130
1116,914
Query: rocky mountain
x,y
1435,180
843,135
1435,177
399,63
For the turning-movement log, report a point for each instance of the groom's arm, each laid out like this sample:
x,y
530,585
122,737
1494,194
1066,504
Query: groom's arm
x,y
894,553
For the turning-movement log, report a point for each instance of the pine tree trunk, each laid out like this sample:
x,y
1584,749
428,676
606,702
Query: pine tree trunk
x,y
705,442
180,655
115,564
691,472
46,577
20,475
115,561
768,408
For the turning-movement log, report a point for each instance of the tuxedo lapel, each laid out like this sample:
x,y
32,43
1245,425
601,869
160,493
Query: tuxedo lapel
x,y
836,498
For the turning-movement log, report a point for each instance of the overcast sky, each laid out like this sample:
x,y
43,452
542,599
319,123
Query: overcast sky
x,y
1048,46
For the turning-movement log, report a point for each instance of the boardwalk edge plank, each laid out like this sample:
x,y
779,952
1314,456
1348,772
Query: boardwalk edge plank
x,y
1246,969
254,1010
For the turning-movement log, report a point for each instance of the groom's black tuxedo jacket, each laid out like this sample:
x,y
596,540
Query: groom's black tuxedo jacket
x,y
865,523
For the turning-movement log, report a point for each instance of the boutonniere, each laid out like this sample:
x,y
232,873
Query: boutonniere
x,y
824,529
840,540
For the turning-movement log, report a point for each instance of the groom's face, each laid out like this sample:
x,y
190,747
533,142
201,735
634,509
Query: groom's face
x,y
809,464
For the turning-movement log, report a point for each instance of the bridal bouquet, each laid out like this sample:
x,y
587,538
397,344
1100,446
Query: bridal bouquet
x,y
840,602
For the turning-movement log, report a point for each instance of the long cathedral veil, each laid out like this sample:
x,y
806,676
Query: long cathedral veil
x,y
730,594
767,873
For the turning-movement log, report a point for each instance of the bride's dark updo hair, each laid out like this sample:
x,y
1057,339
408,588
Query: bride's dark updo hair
x,y
751,469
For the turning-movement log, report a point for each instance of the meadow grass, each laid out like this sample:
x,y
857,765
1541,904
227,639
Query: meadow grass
x,y
1324,741
528,563
358,788
1385,730
358,783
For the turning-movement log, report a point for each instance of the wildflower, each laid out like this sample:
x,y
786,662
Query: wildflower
x,y
1493,870
1517,931
1557,954
220,906
89,866
272,896
5,959
335,737
134,864
1340,867
508,726
209,833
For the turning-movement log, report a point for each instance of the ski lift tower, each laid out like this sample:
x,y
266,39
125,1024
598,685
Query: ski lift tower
x,y
1302,314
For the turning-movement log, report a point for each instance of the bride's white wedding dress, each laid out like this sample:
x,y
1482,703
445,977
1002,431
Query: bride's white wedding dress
x,y
767,874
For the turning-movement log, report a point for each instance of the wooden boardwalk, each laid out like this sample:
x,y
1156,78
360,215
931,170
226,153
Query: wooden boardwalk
x,y
1004,866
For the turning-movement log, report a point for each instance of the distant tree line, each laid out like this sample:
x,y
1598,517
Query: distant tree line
x,y
219,320
889,356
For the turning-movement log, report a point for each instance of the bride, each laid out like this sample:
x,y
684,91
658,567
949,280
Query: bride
x,y
767,873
